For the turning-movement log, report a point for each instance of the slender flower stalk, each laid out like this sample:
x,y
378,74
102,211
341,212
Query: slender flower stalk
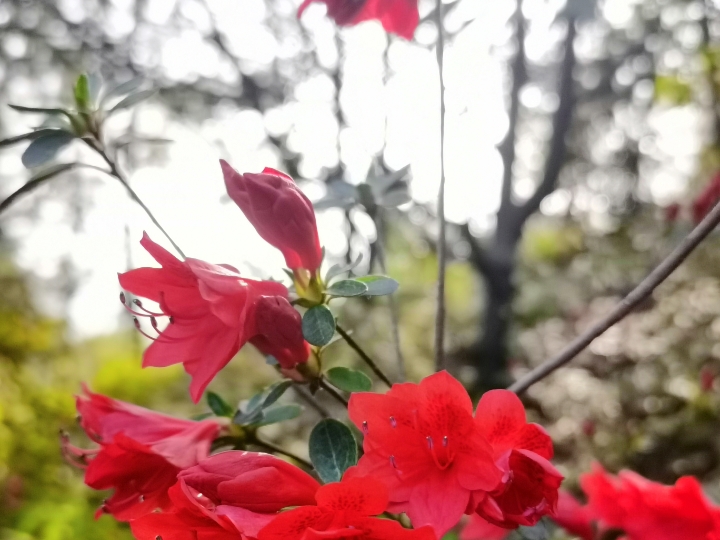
x,y
115,172
441,251
366,358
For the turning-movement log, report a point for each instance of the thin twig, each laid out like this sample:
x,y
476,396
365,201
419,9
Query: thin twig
x,y
115,172
366,358
626,305
330,390
440,318
307,398
270,446
394,312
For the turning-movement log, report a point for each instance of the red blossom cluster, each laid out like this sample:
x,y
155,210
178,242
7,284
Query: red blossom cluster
x,y
425,455
627,507
426,452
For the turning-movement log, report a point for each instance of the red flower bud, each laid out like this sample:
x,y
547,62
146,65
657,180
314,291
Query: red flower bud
x,y
279,328
282,215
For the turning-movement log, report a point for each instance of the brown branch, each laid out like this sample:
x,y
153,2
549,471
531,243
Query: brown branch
x,y
561,127
519,78
366,358
622,309
442,247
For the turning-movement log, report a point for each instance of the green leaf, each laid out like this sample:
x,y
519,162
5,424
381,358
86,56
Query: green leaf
x,y
133,99
36,181
45,147
26,137
347,287
318,325
218,405
124,88
274,391
95,84
40,110
379,285
332,449
337,269
349,380
279,413
247,417
82,93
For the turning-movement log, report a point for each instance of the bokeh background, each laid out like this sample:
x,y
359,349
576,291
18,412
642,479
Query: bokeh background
x,y
572,126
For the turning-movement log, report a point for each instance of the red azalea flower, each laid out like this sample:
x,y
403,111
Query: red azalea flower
x,y
282,215
573,517
399,17
190,517
181,442
422,443
480,529
529,488
213,313
343,511
254,481
228,496
646,510
140,454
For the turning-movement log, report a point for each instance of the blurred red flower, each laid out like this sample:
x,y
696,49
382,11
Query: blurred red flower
x,y
574,517
422,443
706,200
213,312
646,510
480,529
281,214
140,454
344,510
529,488
399,17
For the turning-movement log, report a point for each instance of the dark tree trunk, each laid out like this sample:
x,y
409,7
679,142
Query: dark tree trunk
x,y
496,263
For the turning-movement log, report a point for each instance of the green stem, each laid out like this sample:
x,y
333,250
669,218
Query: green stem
x,y
334,393
369,361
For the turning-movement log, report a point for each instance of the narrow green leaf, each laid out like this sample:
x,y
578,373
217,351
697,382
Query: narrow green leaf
x,y
279,413
95,84
332,449
26,137
218,405
45,147
36,181
274,392
133,99
82,93
347,287
379,285
124,88
39,110
318,325
349,380
337,269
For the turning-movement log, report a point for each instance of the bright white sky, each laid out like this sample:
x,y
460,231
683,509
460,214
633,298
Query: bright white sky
x,y
185,192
